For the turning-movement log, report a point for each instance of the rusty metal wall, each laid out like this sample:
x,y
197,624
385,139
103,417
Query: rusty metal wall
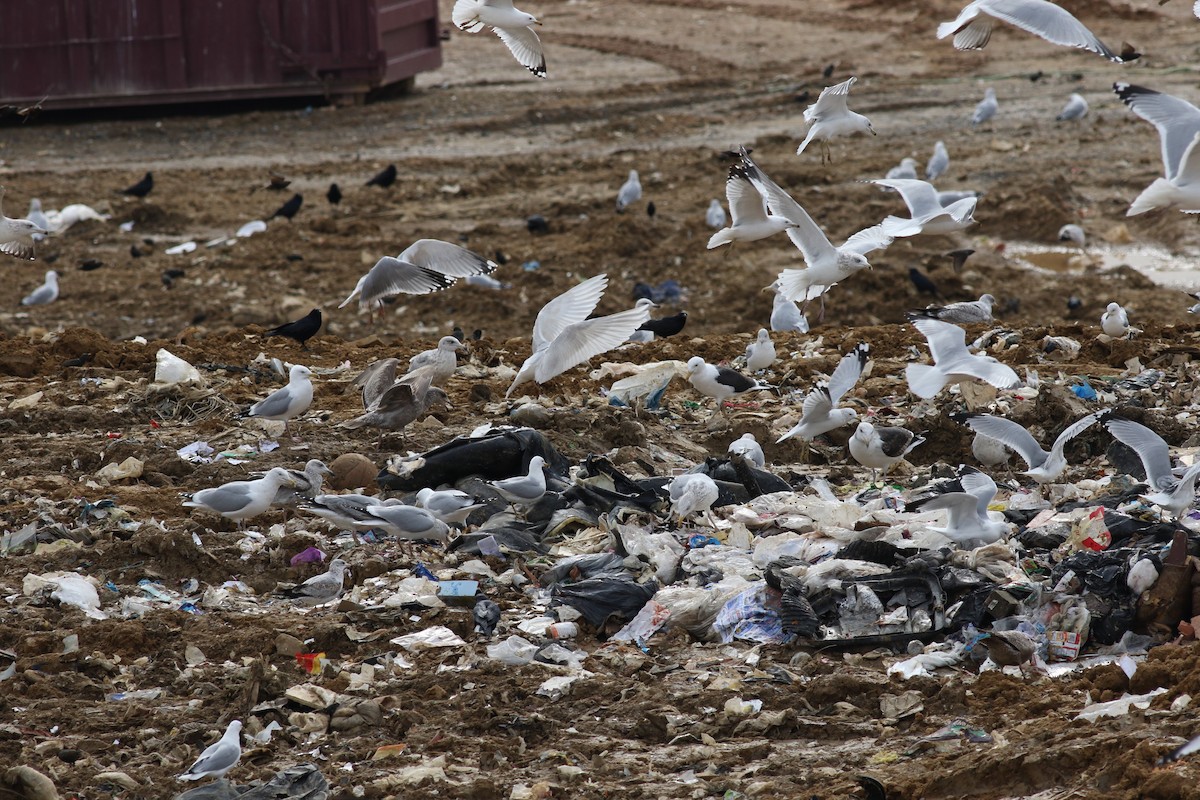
x,y
77,53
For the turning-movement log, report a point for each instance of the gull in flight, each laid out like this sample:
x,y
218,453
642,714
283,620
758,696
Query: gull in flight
x,y
927,215
969,524
953,362
973,27
751,219
820,409
427,265
1174,495
513,26
1044,466
1178,124
830,117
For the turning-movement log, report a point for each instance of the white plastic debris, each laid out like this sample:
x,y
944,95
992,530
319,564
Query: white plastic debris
x,y
180,249
513,651
437,636
171,370
250,228
67,588
1119,707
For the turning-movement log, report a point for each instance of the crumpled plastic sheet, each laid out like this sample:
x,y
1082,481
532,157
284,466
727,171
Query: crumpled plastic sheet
x,y
923,664
695,608
751,615
436,636
1119,707
807,547
716,562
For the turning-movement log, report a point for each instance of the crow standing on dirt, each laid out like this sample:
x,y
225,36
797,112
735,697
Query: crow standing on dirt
x,y
922,282
289,208
141,188
384,179
666,326
334,195
301,330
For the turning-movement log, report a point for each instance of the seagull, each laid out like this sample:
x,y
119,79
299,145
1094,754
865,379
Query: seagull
x,y
441,361
324,587
512,25
630,191
751,218
692,493
986,109
220,757
826,264
449,505
939,162
820,410
288,402
1115,322
17,235
400,405
38,218
720,383
45,294
1044,467
1072,233
927,214
241,500
830,117
406,522
1011,649
714,217
949,198
880,448
760,353
973,26
425,266
749,448
563,336
523,490
1178,124
306,484
969,525
301,330
343,511
665,326
1173,495
953,363
990,452
785,314
965,313
907,170
1076,108
1178,500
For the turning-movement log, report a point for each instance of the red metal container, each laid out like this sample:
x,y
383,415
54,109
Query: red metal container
x,y
91,53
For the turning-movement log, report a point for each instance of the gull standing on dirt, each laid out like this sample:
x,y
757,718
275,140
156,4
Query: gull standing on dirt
x,y
425,266
751,218
785,314
400,405
289,402
760,353
16,235
45,294
449,505
1044,466
513,26
692,493
830,117
881,448
306,484
964,313
321,588
987,107
218,758
749,448
969,524
343,511
630,191
241,500
953,363
1115,322
1178,124
927,215
523,490
714,217
441,361
406,522
939,162
906,171
820,409
826,264
1072,233
720,383
1076,108
563,336
973,27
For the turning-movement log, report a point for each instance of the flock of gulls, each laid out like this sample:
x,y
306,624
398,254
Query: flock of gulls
x,y
566,335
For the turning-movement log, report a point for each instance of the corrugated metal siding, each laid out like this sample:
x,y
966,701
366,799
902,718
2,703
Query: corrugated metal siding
x,y
70,53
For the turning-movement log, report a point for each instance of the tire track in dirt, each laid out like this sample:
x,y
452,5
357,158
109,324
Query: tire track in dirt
x,y
683,61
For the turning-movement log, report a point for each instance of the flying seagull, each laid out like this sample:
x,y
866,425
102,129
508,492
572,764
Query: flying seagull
x,y
513,26
1178,124
1044,466
973,27
830,117
953,363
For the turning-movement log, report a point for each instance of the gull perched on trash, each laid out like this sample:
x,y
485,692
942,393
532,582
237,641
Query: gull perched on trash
x,y
1044,466
523,490
1115,322
449,505
760,353
714,217
986,108
288,402
826,264
751,219
321,588
720,383
973,27
830,117
241,500
969,524
406,522
1178,124
219,757
630,191
749,448
939,162
879,448
513,26
1076,108
1011,649
425,266
692,493
343,511
820,410
926,214
964,313
441,361
953,363
45,294
907,170
563,336
785,314
16,235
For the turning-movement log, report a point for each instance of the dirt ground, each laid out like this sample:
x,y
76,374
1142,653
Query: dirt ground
x,y
661,86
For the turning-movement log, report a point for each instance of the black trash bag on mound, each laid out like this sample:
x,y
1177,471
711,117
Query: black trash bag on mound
x,y
500,454
599,599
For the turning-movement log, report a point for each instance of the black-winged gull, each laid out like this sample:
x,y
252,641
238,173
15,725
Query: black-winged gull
x,y
720,383
879,448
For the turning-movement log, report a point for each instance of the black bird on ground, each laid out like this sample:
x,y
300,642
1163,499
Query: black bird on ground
x,y
141,188
169,276
289,208
91,264
301,330
667,326
922,282
651,210
385,178
537,224
334,195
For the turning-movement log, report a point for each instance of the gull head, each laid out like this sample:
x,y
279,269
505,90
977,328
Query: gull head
x,y
24,226
337,566
695,364
645,302
449,343
852,262
298,371
1113,308
864,431
987,300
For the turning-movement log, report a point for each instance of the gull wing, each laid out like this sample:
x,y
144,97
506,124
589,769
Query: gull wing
x,y
583,340
831,101
918,195
1012,435
805,234
392,276
1071,431
745,203
1177,121
981,487
961,507
447,258
868,240
1052,23
569,308
947,342
1151,448
848,371
525,46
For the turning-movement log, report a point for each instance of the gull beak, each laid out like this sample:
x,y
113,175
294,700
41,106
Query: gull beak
x,y
326,471
537,22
